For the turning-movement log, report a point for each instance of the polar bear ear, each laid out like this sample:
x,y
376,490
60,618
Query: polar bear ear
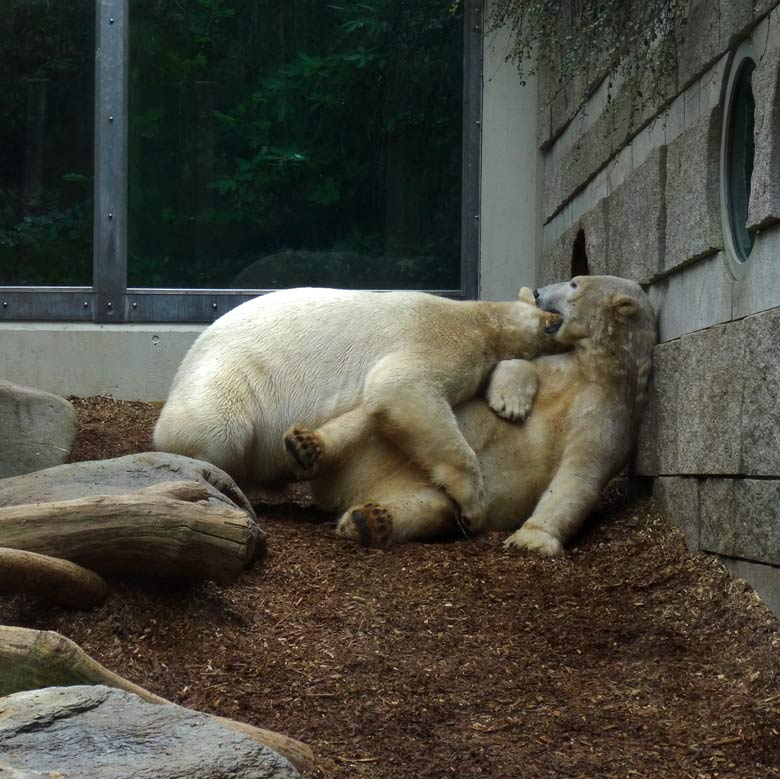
x,y
624,305
527,296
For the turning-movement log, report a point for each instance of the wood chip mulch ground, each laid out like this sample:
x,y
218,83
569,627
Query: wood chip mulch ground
x,y
626,658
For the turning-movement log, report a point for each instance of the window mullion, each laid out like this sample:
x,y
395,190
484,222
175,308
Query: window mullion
x,y
110,227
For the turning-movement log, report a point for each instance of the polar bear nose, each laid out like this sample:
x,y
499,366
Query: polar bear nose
x,y
536,294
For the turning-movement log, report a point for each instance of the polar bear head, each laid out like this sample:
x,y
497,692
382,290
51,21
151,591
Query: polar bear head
x,y
609,321
593,307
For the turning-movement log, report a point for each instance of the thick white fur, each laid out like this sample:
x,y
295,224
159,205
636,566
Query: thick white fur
x,y
550,470
397,361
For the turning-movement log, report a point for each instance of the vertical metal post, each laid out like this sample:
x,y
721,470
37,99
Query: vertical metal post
x,y
472,146
110,231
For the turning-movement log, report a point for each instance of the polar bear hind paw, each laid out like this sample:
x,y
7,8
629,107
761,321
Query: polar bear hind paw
x,y
534,539
304,451
370,525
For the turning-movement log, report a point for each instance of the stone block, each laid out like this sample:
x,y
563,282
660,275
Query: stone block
x,y
674,119
762,7
764,205
38,429
735,18
657,448
764,579
543,127
692,104
678,499
556,258
552,194
759,290
695,297
693,228
741,518
700,44
636,221
760,407
709,412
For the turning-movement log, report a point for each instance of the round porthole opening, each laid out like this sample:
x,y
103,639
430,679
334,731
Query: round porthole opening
x,y
737,155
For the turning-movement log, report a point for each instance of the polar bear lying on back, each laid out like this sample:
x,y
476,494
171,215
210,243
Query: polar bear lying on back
x,y
391,363
547,472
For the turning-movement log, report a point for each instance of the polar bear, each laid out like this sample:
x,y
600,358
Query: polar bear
x,y
390,363
547,473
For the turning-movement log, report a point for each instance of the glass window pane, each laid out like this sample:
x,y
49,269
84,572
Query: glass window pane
x,y
741,151
277,143
47,55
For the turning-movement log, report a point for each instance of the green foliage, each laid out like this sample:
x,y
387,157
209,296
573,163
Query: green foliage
x,y
300,126
256,127
592,37
46,83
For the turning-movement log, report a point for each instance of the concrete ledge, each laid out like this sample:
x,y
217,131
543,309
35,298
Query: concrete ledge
x,y
129,362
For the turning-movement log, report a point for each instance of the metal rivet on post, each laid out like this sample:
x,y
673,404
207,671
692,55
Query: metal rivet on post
x,y
5,304
86,304
135,305
110,118
110,214
214,306
109,304
110,21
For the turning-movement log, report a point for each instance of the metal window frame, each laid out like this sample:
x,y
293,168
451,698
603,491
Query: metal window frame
x,y
109,300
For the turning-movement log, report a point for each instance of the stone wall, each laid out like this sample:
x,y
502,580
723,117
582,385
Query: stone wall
x,y
644,187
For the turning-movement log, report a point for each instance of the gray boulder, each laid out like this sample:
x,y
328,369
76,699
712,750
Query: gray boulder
x,y
37,429
104,733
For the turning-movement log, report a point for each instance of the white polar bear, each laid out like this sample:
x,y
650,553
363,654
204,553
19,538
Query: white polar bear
x,y
392,363
549,471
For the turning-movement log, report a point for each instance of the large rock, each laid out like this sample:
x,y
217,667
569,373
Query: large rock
x,y
119,476
103,733
37,429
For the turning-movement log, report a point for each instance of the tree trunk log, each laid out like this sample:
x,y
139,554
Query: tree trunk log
x,y
168,529
59,581
32,659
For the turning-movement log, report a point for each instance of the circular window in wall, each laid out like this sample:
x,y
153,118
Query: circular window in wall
x,y
737,153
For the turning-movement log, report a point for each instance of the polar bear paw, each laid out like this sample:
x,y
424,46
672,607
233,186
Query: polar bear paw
x,y
369,525
304,451
534,539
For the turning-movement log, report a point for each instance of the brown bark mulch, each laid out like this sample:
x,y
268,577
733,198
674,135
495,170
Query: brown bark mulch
x,y
628,657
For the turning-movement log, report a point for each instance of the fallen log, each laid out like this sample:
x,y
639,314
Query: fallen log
x,y
32,659
58,581
168,529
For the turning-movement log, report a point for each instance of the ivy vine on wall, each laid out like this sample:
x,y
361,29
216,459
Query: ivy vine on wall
x,y
593,38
